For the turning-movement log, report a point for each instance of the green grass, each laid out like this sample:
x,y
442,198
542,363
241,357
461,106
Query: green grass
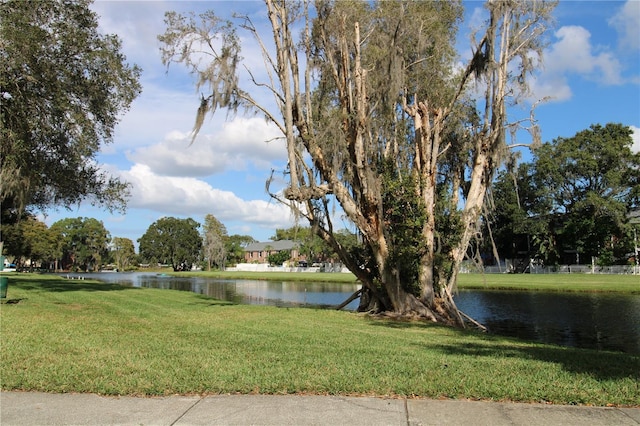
x,y
538,282
552,282
80,336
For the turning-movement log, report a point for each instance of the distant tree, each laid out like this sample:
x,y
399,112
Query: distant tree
x,y
518,218
572,201
14,241
314,248
172,241
590,182
279,258
63,86
295,233
29,240
309,244
214,236
123,253
84,242
234,247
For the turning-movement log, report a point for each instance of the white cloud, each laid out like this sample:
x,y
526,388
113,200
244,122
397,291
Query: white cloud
x,y
137,24
154,114
185,195
174,156
627,22
240,143
573,54
155,133
555,88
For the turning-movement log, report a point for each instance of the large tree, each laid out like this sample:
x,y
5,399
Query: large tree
x,y
172,241
63,86
84,242
30,240
377,119
590,182
572,201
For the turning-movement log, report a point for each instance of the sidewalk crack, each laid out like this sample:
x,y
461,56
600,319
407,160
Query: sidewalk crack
x,y
186,411
406,411
627,415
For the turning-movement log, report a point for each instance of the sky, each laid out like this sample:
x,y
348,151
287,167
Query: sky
x,y
591,72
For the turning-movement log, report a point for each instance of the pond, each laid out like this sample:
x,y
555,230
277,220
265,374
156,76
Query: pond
x,y
604,321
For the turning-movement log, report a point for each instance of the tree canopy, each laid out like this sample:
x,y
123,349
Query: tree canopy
x,y
83,243
30,240
63,87
123,253
172,241
573,199
234,247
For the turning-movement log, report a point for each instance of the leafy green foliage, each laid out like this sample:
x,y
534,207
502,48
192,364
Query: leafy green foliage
x,y
279,258
590,181
404,218
519,219
574,197
314,248
83,243
123,253
449,229
234,247
172,241
29,239
63,87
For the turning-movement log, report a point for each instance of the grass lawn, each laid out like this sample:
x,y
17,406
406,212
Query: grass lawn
x,y
543,282
62,335
552,282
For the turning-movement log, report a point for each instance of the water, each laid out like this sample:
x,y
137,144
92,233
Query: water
x,y
587,320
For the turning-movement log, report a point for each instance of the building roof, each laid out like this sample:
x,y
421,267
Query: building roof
x,y
272,245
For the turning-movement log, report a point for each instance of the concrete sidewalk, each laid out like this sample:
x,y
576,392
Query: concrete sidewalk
x,y
27,408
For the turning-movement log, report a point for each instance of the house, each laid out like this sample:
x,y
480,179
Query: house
x,y
259,252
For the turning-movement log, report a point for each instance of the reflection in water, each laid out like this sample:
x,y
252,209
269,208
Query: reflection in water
x,y
278,293
587,320
258,292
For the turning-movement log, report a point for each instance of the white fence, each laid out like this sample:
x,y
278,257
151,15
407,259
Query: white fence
x,y
562,269
263,267
467,268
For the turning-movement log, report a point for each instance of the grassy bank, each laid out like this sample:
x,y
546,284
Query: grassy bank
x,y
79,336
552,282
529,282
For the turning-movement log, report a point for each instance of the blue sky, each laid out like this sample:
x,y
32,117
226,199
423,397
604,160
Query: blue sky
x,y
591,69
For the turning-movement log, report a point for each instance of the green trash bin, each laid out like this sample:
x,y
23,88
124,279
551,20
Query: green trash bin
x,y
4,283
